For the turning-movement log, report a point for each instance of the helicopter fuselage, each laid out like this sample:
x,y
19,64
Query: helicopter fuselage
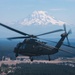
x,y
32,47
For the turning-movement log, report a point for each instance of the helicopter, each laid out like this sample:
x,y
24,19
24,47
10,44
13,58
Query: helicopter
x,y
31,46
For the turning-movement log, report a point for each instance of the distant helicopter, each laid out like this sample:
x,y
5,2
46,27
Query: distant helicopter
x,y
31,46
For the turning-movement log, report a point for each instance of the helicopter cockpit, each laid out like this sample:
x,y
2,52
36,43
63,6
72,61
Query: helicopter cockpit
x,y
26,43
29,41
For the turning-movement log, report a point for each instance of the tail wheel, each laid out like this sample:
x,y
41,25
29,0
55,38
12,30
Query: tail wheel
x,y
16,54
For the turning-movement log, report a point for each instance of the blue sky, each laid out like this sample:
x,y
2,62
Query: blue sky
x,y
16,10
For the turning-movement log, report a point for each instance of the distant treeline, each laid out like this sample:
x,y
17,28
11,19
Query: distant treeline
x,y
37,69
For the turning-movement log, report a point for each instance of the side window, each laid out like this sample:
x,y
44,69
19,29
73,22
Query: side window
x,y
21,47
18,45
24,46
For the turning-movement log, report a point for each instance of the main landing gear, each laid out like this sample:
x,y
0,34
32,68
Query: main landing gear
x,y
49,57
31,58
16,54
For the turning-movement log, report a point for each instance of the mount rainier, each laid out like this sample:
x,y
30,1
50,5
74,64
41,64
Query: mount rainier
x,y
40,18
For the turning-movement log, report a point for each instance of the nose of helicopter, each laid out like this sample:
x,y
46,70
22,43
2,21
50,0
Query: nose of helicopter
x,y
16,52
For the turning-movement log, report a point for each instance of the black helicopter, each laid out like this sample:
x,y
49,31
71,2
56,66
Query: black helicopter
x,y
33,47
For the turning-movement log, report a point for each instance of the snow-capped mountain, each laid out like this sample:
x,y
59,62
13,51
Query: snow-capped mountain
x,y
40,18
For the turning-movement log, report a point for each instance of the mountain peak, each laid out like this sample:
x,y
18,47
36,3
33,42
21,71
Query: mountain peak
x,y
41,18
39,13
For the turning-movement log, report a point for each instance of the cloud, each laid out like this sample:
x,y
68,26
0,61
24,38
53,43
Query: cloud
x,y
69,0
56,9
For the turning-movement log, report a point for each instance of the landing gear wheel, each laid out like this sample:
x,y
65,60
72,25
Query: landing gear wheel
x,y
31,58
49,57
16,54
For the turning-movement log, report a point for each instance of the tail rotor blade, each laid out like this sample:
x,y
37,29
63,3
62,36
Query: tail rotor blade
x,y
70,31
67,33
68,41
65,28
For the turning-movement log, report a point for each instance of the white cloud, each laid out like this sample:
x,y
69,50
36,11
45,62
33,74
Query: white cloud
x,y
57,9
69,0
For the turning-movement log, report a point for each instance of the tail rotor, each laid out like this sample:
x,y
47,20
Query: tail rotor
x,y
69,32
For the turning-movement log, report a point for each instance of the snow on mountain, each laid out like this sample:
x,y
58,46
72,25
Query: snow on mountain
x,y
41,18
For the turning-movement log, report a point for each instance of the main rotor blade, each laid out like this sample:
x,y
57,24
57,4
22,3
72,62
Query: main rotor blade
x,y
57,42
58,49
50,32
22,37
66,51
13,29
63,44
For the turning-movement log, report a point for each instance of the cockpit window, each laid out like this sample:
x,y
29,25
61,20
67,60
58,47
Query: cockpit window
x,y
23,46
18,45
